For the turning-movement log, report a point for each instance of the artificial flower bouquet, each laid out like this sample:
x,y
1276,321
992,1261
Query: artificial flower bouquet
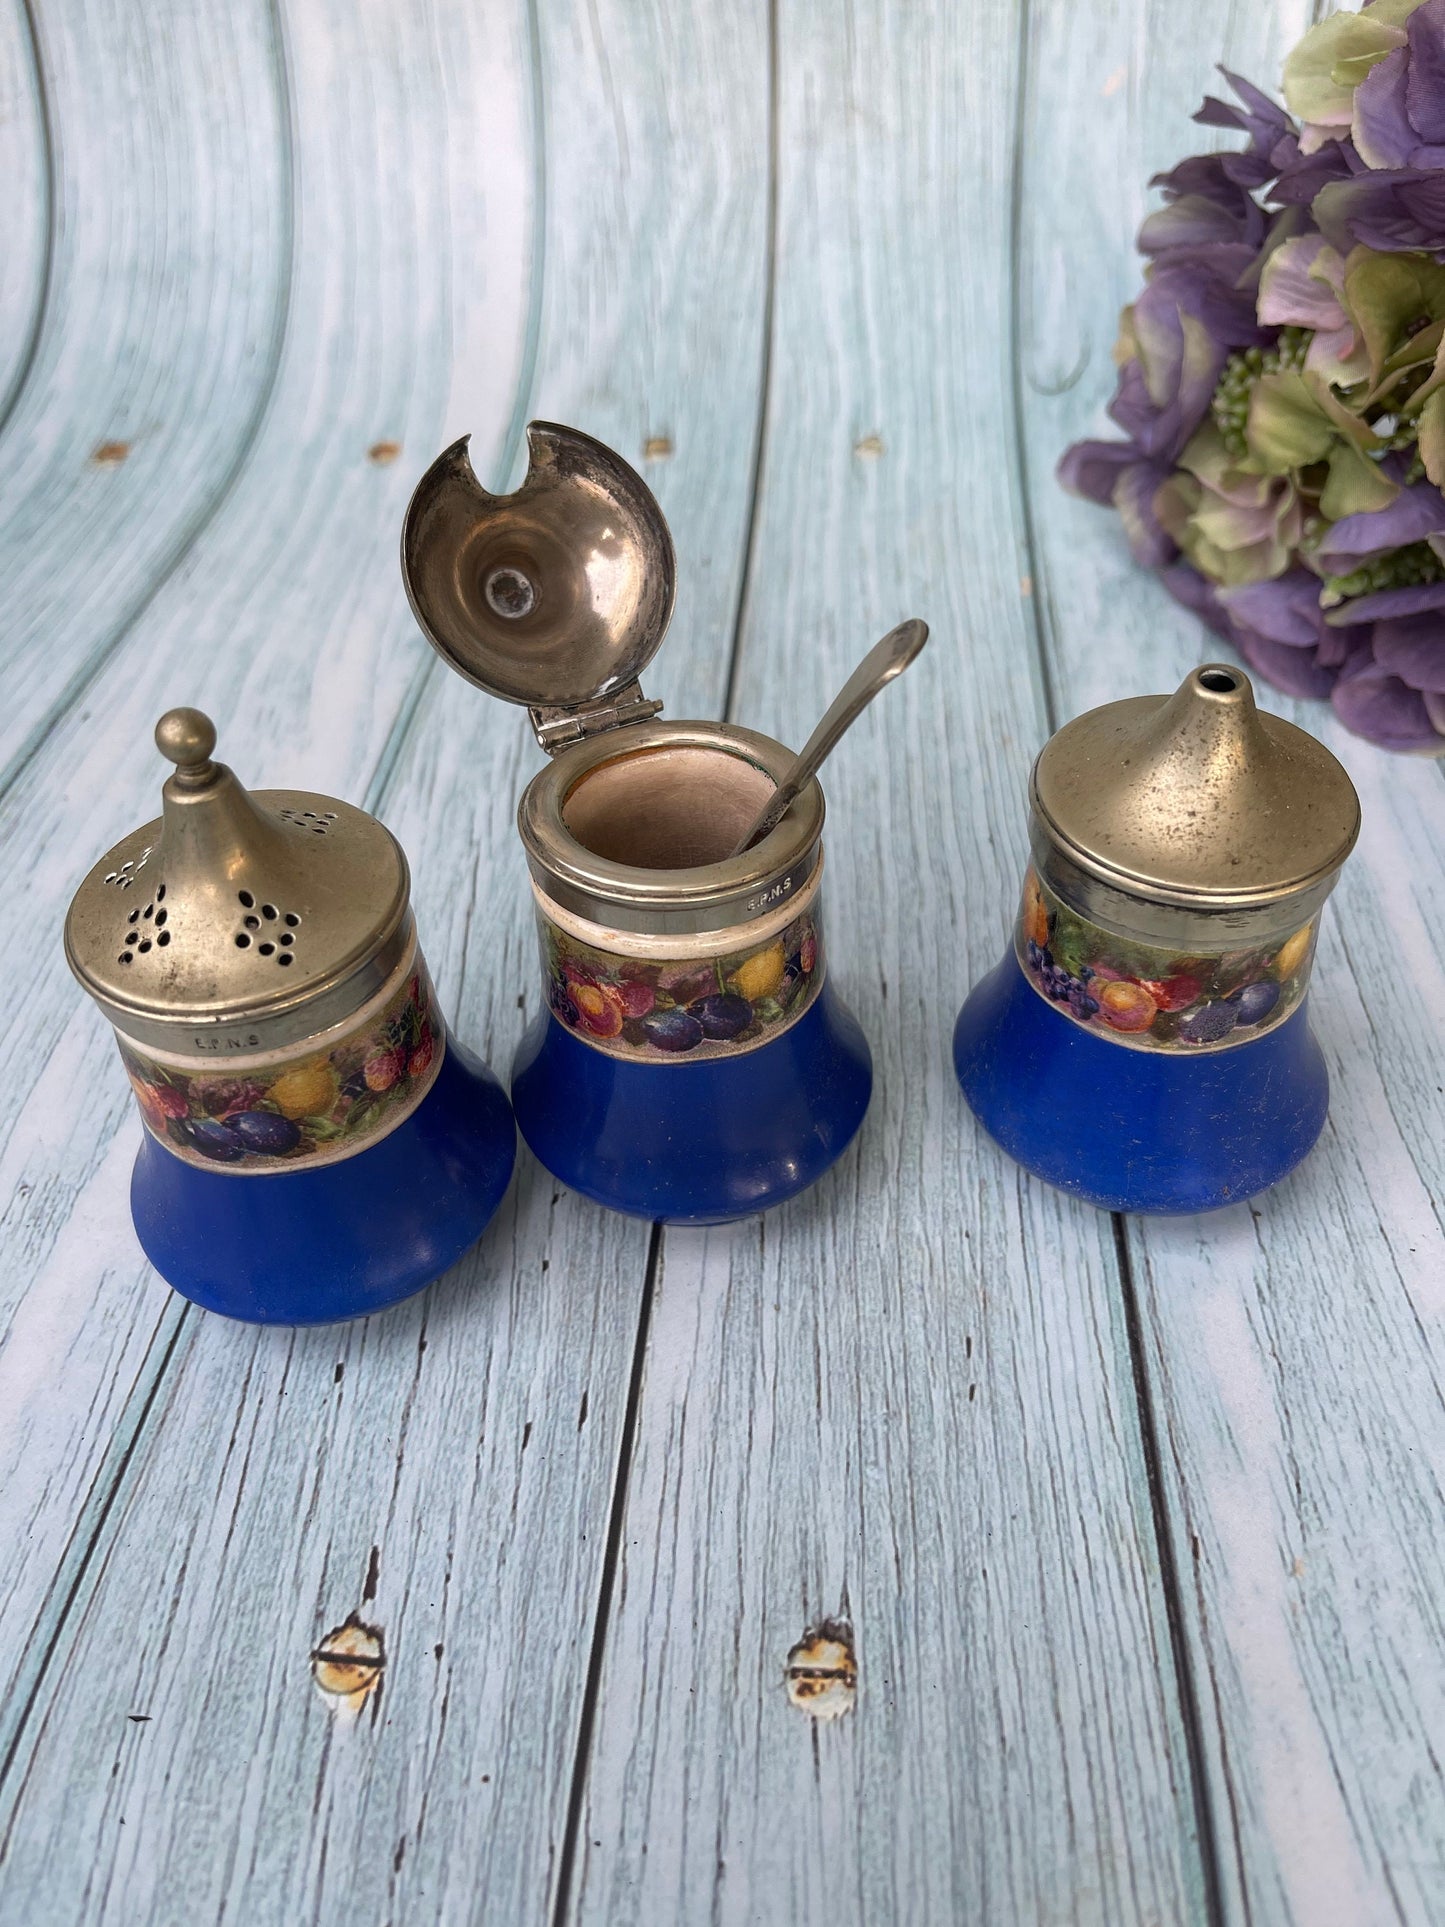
x,y
1282,378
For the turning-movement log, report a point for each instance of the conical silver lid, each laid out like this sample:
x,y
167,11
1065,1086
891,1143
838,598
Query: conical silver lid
x,y
237,920
1197,799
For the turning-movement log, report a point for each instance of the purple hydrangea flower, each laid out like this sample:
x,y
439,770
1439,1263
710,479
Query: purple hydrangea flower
x,y
1372,700
1301,179
1399,109
1415,515
1268,351
1278,628
1394,213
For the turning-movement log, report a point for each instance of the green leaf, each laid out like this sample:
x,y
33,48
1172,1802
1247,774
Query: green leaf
x,y
1285,225
1432,437
1175,500
1355,484
1417,350
1435,379
1232,568
1388,294
1287,427
1070,946
1394,13
1324,69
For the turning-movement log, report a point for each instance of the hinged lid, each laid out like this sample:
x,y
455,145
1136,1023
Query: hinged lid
x,y
280,911
1198,798
556,596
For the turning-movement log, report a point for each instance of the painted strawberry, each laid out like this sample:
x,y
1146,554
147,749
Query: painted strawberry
x,y
384,1069
808,954
420,1060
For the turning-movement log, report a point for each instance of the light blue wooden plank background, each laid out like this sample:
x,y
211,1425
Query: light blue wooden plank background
x,y
1138,1526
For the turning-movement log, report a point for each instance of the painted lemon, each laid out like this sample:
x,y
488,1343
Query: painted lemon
x,y
308,1092
761,975
1293,953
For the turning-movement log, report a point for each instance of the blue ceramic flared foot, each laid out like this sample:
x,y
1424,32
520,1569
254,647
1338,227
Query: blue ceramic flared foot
x,y
1132,1130
695,1143
311,1247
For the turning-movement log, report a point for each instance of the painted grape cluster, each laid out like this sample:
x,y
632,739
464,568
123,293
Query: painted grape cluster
x,y
298,1112
670,1010
1151,997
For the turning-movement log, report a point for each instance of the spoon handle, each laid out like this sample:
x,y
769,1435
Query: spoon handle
x,y
884,661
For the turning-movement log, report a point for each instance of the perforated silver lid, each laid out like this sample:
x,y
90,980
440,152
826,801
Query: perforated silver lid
x,y
236,919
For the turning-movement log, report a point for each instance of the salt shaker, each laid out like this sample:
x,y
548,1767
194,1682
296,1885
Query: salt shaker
x,y
690,1060
316,1145
1145,1042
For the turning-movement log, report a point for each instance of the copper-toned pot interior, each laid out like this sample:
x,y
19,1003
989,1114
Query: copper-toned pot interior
x,y
667,808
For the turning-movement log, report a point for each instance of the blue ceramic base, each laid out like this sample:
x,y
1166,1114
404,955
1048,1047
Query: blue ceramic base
x,y
342,1239
695,1143
1132,1130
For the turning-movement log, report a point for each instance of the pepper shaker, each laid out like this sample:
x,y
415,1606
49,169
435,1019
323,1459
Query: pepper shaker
x,y
691,1060
1145,1042
316,1146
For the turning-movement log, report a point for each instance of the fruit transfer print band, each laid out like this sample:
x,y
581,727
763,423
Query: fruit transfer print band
x,y
315,1103
706,996
1153,999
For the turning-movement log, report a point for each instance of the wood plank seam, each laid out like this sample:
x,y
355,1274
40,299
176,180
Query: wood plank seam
x,y
112,1474
1039,589
89,1526
1317,1816
378,789
627,1442
110,1477
26,363
607,1583
770,282
718,1865
1169,1581
190,534
1040,603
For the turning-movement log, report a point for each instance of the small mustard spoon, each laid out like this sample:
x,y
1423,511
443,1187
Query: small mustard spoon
x,y
884,661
